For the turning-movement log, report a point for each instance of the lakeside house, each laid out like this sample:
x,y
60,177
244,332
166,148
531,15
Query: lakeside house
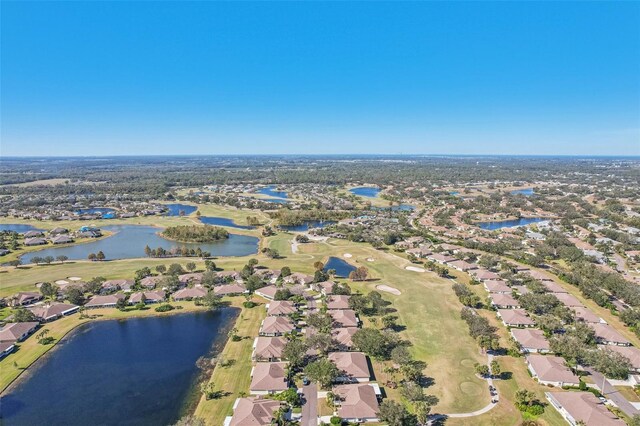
x,y
268,348
269,378
61,239
17,331
582,407
515,318
189,293
268,292
106,301
53,311
551,370
155,296
280,308
37,241
353,366
276,326
253,411
531,340
357,402
6,348
233,289
344,318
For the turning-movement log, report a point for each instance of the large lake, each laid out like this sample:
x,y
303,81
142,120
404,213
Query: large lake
x,y
129,242
523,221
223,221
342,268
175,209
366,191
272,192
134,372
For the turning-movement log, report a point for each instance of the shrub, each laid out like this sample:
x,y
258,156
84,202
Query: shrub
x,y
164,308
249,304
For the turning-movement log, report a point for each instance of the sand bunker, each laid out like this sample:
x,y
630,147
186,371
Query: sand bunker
x,y
371,259
61,282
388,289
75,278
414,269
347,255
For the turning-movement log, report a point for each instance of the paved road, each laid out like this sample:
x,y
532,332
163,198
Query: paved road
x,y
612,393
310,407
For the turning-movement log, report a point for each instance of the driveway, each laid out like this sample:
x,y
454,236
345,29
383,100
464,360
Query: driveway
x,y
310,407
611,393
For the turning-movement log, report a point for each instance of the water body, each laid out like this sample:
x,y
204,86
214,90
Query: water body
x,y
20,228
97,210
305,226
272,192
366,191
527,191
400,207
174,209
129,242
341,267
133,372
523,221
223,221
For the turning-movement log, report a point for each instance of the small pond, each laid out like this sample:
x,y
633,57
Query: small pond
x,y
271,191
129,241
19,228
133,372
342,268
366,191
180,209
305,226
527,191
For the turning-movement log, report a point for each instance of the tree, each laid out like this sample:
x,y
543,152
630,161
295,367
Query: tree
x,y
322,371
389,321
48,259
49,290
161,269
290,396
75,296
62,258
295,351
372,341
412,391
92,257
142,273
285,271
94,285
359,274
422,410
322,342
320,321
495,368
209,265
100,256
36,260
175,269
191,266
400,355
482,369
211,300
395,414
254,283
23,315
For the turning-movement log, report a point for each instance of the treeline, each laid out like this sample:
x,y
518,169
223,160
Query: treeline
x,y
195,233
287,217
176,252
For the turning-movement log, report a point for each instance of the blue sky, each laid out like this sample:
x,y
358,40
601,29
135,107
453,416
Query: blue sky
x,y
103,78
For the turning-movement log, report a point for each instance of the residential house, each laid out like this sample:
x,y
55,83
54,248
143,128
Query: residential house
x,y
344,318
357,402
150,282
17,331
155,296
607,335
6,348
279,308
462,265
583,407
515,318
107,301
53,311
253,412
353,366
229,289
343,337
269,378
497,286
268,348
276,326
61,239
585,315
268,292
503,301
37,241
630,352
189,293
551,370
568,300
338,301
24,298
531,340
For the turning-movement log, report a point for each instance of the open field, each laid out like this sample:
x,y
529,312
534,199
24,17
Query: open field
x,y
235,378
